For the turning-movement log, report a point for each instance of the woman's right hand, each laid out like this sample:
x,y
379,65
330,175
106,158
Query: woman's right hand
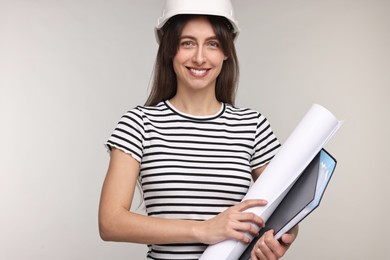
x,y
232,223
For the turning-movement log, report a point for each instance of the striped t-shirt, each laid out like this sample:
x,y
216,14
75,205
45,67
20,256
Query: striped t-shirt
x,y
193,167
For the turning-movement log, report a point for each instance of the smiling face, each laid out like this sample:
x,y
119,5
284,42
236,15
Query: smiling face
x,y
199,57
168,77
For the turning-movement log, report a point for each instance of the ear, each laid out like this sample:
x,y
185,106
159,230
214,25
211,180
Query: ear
x,y
225,58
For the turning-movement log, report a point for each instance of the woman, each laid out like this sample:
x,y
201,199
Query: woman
x,y
191,150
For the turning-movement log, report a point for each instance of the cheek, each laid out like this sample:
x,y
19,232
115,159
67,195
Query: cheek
x,y
178,63
177,60
180,57
175,66
217,57
218,60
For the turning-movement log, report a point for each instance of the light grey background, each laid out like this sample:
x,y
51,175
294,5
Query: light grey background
x,y
69,69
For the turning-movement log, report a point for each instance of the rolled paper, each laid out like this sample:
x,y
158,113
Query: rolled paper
x,y
311,134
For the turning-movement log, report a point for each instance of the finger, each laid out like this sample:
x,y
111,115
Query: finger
x,y
246,227
253,255
264,248
277,249
250,217
256,254
240,236
287,239
246,204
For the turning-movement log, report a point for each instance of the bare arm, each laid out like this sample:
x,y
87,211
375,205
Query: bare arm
x,y
116,223
258,171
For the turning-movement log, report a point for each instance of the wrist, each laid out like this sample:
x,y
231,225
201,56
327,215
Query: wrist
x,y
196,231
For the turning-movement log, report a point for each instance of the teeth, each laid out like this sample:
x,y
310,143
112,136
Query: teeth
x,y
198,72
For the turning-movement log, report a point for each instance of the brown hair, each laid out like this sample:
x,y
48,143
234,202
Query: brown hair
x,y
165,82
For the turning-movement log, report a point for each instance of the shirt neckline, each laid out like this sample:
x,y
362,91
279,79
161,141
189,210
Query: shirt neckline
x,y
189,116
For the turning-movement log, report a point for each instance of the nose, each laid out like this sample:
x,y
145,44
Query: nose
x,y
199,56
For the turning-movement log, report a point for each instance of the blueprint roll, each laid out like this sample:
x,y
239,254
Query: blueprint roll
x,y
311,134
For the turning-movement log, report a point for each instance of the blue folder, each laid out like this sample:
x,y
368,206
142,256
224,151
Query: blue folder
x,y
302,199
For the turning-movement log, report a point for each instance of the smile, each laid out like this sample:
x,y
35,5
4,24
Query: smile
x,y
198,72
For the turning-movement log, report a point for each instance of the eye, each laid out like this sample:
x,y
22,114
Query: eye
x,y
187,44
214,44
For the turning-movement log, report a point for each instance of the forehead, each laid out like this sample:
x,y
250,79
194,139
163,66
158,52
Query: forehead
x,y
198,26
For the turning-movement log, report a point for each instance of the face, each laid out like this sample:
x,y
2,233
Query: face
x,y
199,58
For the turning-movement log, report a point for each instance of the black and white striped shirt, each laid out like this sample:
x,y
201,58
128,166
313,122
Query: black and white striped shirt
x,y
193,167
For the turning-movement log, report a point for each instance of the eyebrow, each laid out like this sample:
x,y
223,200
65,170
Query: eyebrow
x,y
193,38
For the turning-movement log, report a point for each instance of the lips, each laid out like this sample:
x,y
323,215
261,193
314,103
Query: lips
x,y
198,72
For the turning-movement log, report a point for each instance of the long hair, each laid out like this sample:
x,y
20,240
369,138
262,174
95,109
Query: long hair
x,y
164,81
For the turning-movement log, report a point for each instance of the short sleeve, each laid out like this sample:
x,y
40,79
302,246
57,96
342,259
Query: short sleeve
x,y
266,145
128,135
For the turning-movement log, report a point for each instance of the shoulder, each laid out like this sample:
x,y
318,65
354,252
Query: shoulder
x,y
142,111
247,115
242,112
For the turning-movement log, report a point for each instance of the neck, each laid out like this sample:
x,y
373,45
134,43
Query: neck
x,y
196,105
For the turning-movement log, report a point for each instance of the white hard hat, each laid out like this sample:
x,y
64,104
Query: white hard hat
x,y
203,7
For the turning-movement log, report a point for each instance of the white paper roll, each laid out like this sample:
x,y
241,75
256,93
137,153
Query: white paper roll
x,y
314,130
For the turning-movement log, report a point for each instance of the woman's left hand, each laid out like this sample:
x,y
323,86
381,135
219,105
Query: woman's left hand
x,y
268,248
